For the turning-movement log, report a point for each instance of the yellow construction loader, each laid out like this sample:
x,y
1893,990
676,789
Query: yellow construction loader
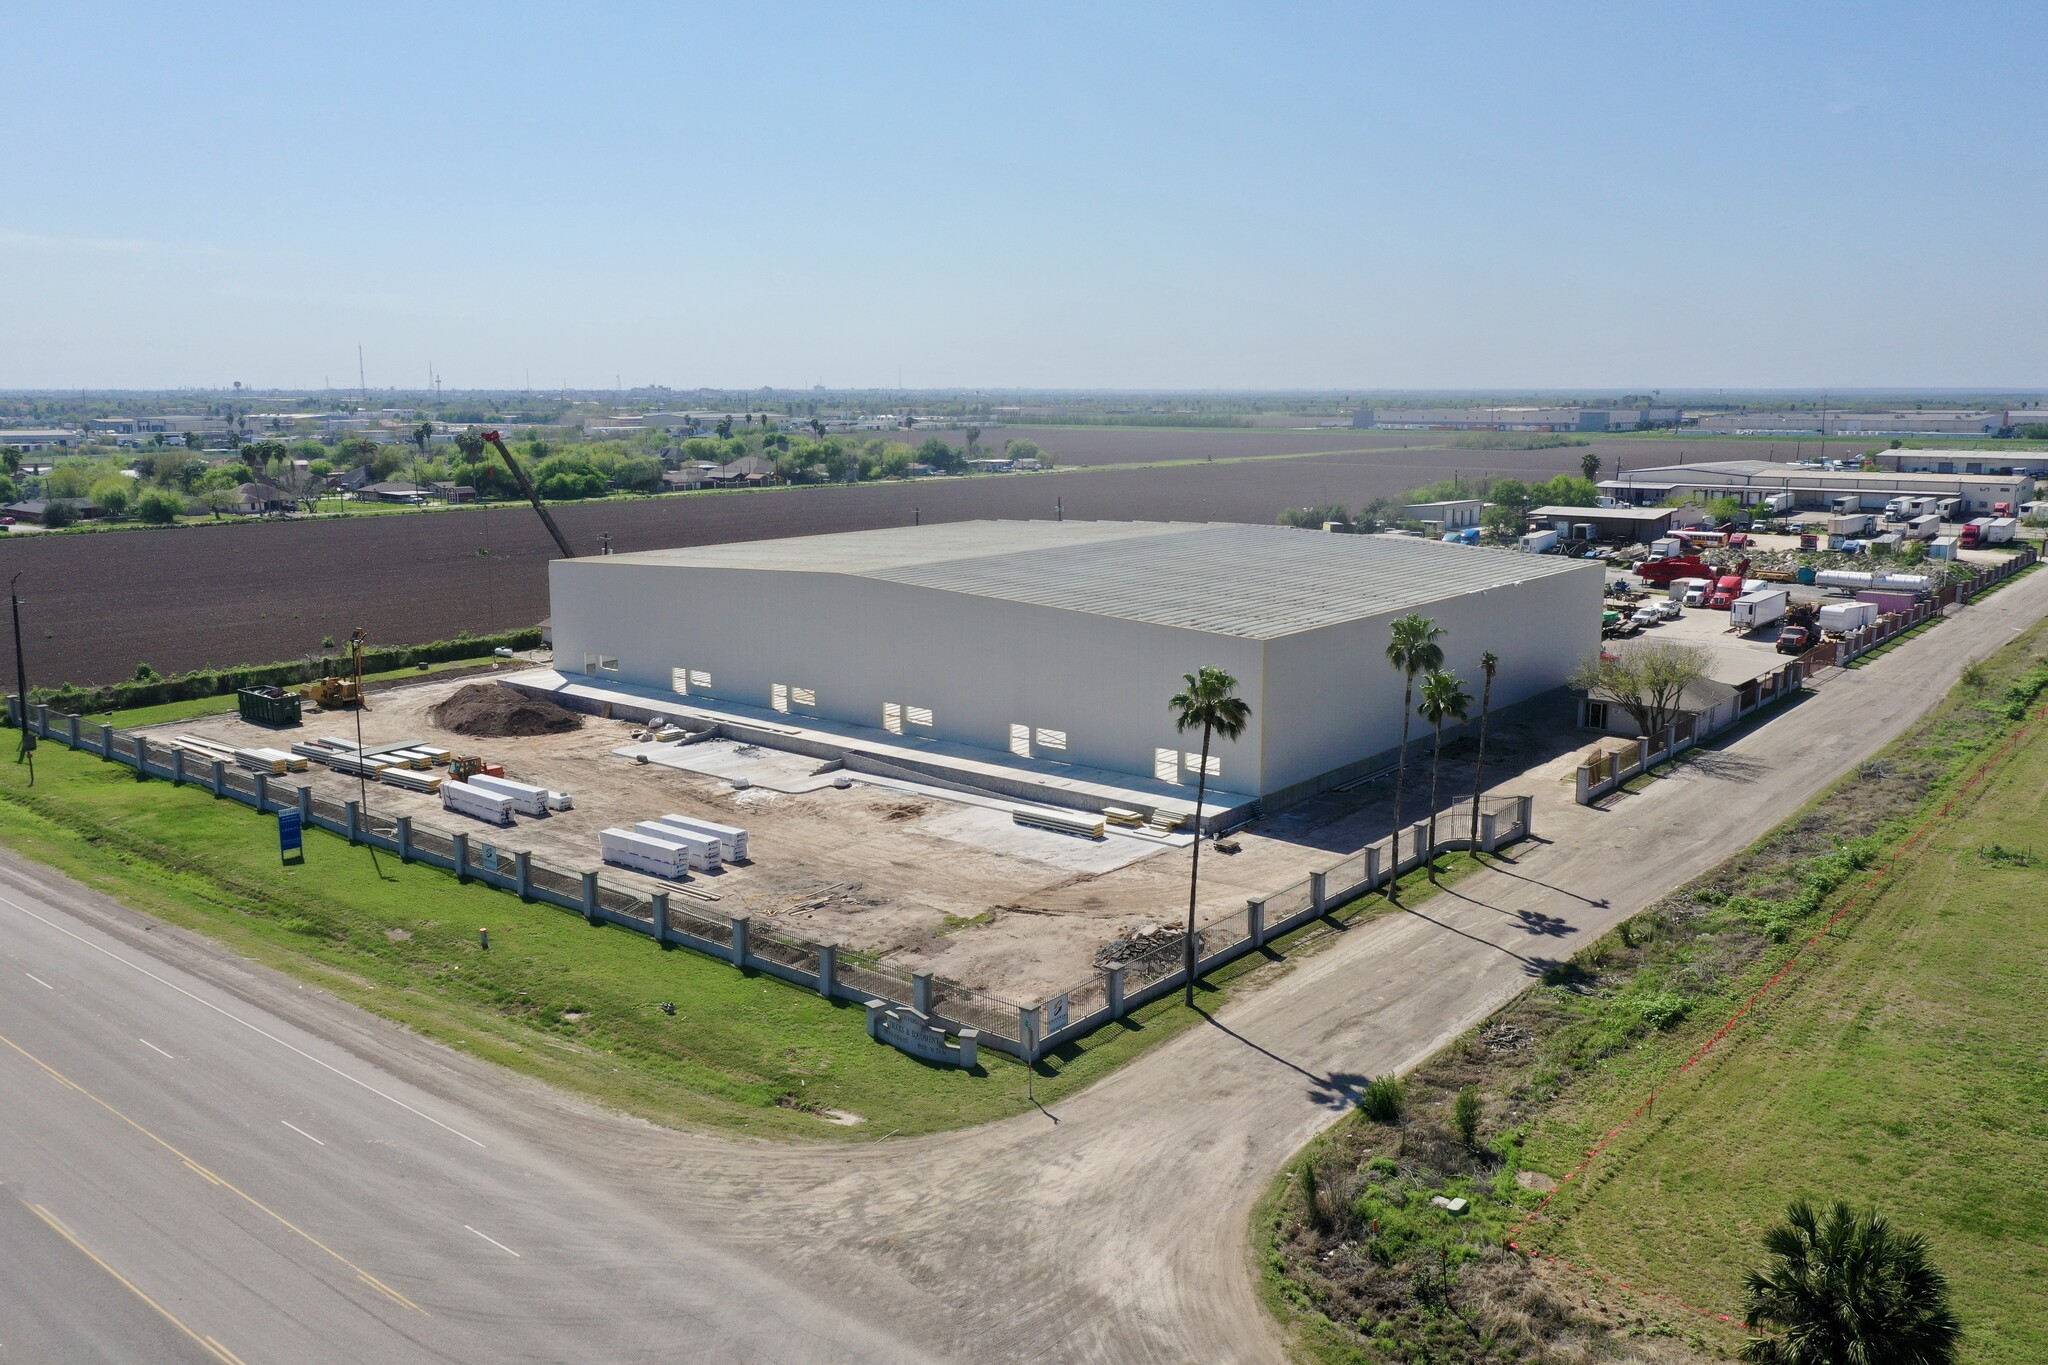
x,y
336,693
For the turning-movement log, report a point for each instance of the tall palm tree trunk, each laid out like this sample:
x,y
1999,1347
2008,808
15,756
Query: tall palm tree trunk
x,y
1195,865
1436,763
1400,776
1479,768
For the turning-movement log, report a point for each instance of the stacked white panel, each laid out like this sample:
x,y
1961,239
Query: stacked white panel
x,y
705,851
732,841
644,853
465,799
526,798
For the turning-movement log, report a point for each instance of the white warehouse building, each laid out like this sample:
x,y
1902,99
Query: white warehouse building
x,y
1059,642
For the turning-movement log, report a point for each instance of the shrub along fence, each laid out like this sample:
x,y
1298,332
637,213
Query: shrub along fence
x,y
1024,1031
221,682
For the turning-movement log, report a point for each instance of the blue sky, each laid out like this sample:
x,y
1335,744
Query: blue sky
x,y
1195,196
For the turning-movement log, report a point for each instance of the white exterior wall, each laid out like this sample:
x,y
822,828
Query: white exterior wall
x,y
1334,700
979,664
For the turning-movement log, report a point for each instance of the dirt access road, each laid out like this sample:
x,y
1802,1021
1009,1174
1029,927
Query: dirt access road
x,y
1115,1228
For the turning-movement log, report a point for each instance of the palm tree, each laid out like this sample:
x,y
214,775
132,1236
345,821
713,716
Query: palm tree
x,y
1488,662
1210,701
1843,1286
1413,649
1443,698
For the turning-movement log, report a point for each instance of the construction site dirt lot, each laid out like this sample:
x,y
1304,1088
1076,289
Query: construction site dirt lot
x,y
920,878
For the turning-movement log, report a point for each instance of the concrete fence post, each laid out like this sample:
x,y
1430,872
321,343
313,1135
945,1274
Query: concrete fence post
x,y
828,969
461,842
352,809
1525,814
1488,837
1372,867
1255,922
1114,988
262,791
405,838
73,727
590,896
921,992
1318,890
106,740
1642,753
220,774
43,720
659,901
1423,853
740,925
522,874
1027,1033
305,808
177,767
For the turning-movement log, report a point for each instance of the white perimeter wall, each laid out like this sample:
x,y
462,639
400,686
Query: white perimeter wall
x,y
1333,698
979,664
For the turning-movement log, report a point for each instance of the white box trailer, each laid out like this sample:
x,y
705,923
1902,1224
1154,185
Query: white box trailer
x,y
526,798
1538,542
465,799
1854,524
704,849
1924,527
1839,618
732,841
2001,530
1755,610
644,853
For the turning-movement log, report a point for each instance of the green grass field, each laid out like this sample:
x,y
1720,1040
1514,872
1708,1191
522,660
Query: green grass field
x,y
1900,1064
553,997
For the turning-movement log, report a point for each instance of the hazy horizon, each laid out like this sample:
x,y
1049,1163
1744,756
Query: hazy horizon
x,y
1316,200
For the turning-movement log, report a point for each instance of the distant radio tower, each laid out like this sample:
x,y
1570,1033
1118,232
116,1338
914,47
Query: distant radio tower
x,y
362,384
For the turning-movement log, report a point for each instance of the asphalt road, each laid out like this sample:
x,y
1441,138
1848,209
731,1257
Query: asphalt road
x,y
186,1176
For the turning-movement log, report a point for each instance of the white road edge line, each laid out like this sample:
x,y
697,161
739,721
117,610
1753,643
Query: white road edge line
x,y
228,1014
154,1048
39,981
302,1132
496,1243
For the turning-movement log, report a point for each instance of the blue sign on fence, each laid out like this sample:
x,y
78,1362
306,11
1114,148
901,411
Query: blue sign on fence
x,y
290,832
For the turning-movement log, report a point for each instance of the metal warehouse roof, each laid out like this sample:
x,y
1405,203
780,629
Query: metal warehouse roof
x,y
1256,582
1608,513
1791,474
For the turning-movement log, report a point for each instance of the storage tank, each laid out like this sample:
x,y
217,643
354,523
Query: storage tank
x,y
1842,578
1918,584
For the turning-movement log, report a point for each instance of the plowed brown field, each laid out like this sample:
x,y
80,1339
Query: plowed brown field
x,y
96,605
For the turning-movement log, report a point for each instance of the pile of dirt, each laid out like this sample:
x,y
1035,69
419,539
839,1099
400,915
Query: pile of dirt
x,y
494,712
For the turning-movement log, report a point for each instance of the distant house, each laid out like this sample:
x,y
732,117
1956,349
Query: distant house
x,y
747,469
689,476
354,481
454,492
36,509
255,499
991,466
393,492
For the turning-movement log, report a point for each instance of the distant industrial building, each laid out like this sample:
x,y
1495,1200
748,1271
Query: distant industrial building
x,y
1052,647
1609,523
38,438
1988,460
1451,515
1833,422
1752,481
1514,419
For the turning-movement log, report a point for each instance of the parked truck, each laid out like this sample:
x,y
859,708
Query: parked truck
x,y
1853,524
1755,610
1989,531
1727,588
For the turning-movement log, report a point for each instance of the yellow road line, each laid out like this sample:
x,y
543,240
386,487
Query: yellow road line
x,y
214,1348
206,1174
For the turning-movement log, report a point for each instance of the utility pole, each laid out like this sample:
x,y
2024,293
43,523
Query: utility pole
x,y
20,673
362,383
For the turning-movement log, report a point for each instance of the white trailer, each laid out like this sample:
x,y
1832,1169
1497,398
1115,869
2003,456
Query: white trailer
x,y
1854,524
1924,527
732,841
1839,618
1539,542
2001,530
1755,610
526,798
704,849
644,853
465,799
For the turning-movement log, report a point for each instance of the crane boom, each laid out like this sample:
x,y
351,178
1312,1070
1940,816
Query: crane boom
x,y
526,487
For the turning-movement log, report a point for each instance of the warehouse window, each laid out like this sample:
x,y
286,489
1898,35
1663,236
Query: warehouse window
x,y
918,715
1020,740
778,696
1596,715
679,681
1052,739
700,680
1165,765
892,717
1194,762
590,663
802,696
607,663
